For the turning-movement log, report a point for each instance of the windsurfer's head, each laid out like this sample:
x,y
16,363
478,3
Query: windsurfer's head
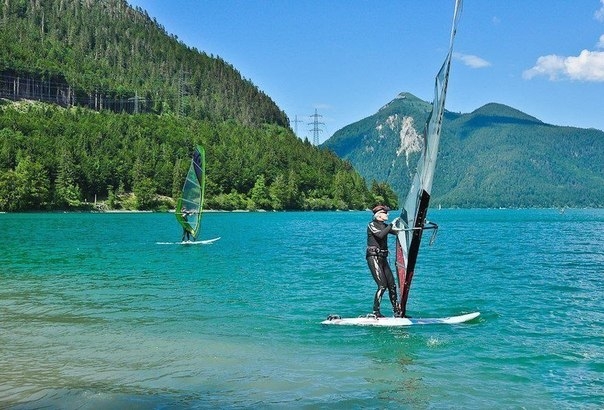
x,y
380,211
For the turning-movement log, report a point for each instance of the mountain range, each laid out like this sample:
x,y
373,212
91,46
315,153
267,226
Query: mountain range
x,y
159,97
495,156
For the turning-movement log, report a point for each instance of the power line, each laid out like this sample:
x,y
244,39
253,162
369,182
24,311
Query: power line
x,y
315,129
57,90
296,121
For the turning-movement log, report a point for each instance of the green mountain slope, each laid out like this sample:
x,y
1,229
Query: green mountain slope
x,y
495,156
106,49
92,53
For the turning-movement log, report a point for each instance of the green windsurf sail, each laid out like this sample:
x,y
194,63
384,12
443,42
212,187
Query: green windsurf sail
x,y
190,204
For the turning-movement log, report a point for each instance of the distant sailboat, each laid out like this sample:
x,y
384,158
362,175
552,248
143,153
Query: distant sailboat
x,y
189,206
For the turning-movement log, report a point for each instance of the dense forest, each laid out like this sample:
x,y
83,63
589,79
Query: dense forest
x,y
57,158
495,156
70,157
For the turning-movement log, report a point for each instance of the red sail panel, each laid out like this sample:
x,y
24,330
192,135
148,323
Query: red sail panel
x,y
401,269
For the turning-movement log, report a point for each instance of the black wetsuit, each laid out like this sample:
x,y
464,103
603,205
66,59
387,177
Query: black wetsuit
x,y
185,232
377,260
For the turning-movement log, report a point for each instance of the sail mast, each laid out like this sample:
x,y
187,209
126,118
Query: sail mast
x,y
415,208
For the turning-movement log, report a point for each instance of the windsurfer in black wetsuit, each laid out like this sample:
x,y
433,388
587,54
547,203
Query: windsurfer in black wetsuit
x,y
377,259
185,216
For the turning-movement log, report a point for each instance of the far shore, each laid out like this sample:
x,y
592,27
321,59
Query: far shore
x,y
171,211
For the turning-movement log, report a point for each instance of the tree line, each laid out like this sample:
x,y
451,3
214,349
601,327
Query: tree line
x,y
57,158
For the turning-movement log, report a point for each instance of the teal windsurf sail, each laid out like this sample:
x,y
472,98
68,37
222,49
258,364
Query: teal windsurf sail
x,y
189,206
413,215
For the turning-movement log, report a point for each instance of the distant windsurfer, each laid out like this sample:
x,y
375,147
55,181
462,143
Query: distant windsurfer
x,y
186,234
377,259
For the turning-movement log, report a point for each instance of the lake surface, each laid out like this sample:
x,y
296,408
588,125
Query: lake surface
x,y
96,313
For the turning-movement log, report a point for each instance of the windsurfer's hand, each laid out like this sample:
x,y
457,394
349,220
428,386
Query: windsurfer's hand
x,y
396,224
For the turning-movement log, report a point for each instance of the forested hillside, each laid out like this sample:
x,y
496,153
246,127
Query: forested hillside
x,y
56,158
495,156
89,53
106,49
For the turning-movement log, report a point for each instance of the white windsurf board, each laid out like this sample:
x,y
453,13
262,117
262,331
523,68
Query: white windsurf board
x,y
371,320
204,242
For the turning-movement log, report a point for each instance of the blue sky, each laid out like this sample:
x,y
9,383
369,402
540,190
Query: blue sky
x,y
347,58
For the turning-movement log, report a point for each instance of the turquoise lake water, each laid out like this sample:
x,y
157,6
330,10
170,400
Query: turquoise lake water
x,y
94,313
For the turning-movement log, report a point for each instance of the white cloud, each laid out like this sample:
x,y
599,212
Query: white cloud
x,y
599,14
471,60
587,66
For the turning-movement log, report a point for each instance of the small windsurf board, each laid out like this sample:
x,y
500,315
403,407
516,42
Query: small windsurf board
x,y
204,242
